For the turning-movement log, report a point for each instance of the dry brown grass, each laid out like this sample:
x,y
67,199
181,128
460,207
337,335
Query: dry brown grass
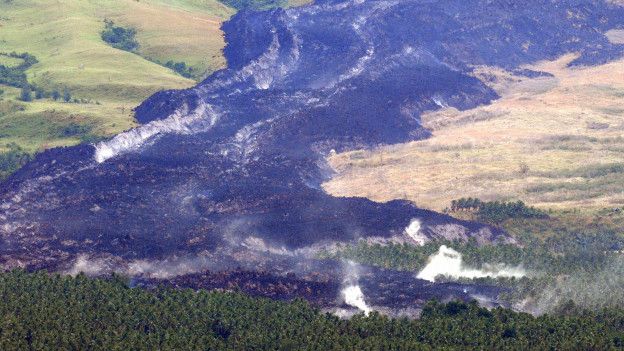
x,y
552,142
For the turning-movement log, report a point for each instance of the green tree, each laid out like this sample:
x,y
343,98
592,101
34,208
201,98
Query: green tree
x,y
26,94
67,95
39,93
119,37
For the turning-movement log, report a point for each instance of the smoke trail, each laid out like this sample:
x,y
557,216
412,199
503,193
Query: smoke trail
x,y
167,268
352,293
592,288
183,121
353,296
91,266
448,262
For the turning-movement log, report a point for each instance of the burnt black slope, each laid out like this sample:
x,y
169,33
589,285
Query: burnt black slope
x,y
240,155
382,288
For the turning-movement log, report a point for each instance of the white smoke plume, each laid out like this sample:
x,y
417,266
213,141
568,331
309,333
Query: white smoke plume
x,y
352,293
354,296
160,269
91,266
449,263
413,231
170,268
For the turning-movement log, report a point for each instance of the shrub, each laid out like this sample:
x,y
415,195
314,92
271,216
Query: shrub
x,y
119,37
75,129
26,94
12,159
16,76
181,68
39,93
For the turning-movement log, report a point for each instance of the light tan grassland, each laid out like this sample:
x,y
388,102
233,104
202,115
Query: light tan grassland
x,y
552,142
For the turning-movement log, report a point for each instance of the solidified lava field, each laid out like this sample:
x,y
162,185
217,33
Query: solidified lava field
x,y
235,164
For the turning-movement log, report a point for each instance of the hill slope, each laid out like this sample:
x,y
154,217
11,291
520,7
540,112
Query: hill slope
x,y
65,38
227,174
237,160
554,141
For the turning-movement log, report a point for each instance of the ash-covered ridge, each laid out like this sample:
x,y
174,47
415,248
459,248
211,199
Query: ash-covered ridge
x,y
237,160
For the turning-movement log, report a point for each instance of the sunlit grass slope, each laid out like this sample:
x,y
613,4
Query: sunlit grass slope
x,y
554,142
65,38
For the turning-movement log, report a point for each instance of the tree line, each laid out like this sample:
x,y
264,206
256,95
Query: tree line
x,y
497,211
40,311
255,5
15,76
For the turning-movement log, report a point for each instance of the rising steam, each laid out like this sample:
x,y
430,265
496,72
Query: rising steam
x,y
592,288
448,262
182,121
352,293
353,296
413,231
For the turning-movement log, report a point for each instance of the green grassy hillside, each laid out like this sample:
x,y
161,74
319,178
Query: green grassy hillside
x,y
107,83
